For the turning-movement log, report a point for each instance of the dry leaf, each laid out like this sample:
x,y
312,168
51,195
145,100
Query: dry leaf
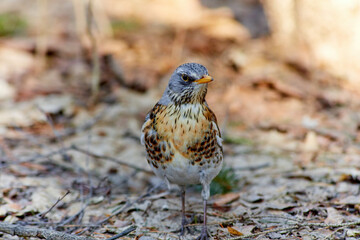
x,y
226,198
233,231
352,233
311,143
334,217
6,90
353,199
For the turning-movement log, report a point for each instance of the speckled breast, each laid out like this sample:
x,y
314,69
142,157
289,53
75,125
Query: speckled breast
x,y
182,141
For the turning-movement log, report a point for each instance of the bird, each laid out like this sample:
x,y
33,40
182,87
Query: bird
x,y
181,136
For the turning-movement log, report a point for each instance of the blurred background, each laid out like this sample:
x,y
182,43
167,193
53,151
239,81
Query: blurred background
x,y
283,50
85,73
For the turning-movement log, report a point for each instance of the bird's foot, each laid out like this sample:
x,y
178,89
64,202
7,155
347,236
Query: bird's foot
x,y
203,235
184,228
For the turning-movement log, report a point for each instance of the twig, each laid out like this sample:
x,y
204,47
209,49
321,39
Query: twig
x,y
297,226
71,131
81,213
7,151
324,225
251,236
232,220
275,216
329,133
123,233
213,223
75,148
129,204
52,126
42,156
42,215
25,231
111,159
70,219
330,236
57,136
252,168
116,70
41,39
95,76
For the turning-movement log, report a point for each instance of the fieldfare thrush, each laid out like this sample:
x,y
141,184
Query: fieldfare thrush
x,y
181,136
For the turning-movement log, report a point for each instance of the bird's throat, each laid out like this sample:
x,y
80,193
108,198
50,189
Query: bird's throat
x,y
189,96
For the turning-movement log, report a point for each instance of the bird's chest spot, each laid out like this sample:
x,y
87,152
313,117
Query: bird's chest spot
x,y
183,125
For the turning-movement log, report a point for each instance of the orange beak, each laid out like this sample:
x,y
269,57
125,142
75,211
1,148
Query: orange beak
x,y
204,79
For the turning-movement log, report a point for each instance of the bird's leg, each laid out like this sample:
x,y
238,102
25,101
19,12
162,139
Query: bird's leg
x,y
204,233
205,194
184,221
183,217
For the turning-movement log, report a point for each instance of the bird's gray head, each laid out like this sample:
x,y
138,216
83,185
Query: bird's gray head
x,y
188,84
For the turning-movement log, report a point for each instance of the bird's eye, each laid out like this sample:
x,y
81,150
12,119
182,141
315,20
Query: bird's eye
x,y
185,77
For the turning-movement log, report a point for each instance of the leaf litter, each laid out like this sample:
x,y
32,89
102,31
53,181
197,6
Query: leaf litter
x,y
291,136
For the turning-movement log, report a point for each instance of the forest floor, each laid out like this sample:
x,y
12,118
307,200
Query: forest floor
x,y
72,162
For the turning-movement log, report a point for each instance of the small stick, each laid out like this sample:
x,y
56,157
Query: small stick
x,y
123,233
95,75
41,38
4,146
251,236
129,204
70,219
87,125
40,156
42,215
297,226
330,236
253,168
75,148
94,155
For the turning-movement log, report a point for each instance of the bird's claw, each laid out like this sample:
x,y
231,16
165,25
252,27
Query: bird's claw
x,y
184,228
203,235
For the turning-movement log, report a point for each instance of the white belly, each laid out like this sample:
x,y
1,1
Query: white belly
x,y
180,171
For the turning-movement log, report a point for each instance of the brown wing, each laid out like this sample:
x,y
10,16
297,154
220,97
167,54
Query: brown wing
x,y
209,148
157,148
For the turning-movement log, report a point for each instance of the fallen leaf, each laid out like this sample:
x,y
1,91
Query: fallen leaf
x,y
226,198
334,217
233,231
14,63
353,233
6,90
311,143
55,104
120,223
244,229
14,206
139,220
350,200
